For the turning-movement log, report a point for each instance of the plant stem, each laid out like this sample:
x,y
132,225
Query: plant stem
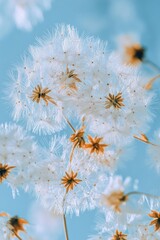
x,y
141,193
65,227
66,119
148,86
68,122
145,141
17,235
151,64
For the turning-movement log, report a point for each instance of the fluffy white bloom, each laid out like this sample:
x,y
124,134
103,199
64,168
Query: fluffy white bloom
x,y
136,224
135,232
154,151
23,13
144,232
116,183
65,187
58,73
60,64
107,226
18,154
111,100
114,196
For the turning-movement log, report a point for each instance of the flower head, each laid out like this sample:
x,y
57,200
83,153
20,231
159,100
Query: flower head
x,y
53,73
95,145
130,49
156,222
119,236
111,102
4,171
39,93
16,224
115,200
76,190
11,227
70,80
114,101
114,196
134,54
18,156
77,138
70,181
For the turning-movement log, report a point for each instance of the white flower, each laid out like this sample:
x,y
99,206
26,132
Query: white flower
x,y
110,223
24,13
18,156
54,68
65,187
59,80
111,100
114,195
144,232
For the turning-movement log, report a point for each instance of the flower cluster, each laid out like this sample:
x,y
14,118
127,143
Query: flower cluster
x,y
58,72
63,186
124,221
105,106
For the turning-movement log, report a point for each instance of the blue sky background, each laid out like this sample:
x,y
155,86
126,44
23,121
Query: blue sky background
x,y
104,19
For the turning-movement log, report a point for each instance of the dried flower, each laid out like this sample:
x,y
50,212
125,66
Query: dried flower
x,y
134,54
18,151
144,139
73,77
111,104
115,101
114,196
11,226
77,137
70,181
51,184
16,224
119,236
114,200
156,215
39,93
95,145
4,171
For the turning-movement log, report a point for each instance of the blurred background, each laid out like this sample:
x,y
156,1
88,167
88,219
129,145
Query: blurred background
x,y
104,19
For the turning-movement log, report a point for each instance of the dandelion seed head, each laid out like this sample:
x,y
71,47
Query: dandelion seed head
x,y
18,155
112,101
64,186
